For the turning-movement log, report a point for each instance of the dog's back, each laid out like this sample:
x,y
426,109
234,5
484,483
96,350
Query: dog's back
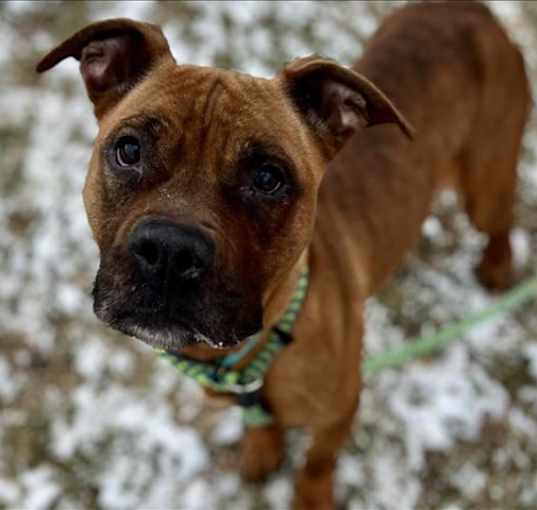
x,y
454,73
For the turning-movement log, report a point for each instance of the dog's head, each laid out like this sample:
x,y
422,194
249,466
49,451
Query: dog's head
x,y
201,191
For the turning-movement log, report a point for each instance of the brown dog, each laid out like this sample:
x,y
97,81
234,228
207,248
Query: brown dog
x,y
206,196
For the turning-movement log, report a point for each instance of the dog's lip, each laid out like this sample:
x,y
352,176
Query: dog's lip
x,y
172,337
169,341
163,339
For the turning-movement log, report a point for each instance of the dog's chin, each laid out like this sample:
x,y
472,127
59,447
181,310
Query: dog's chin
x,y
173,338
169,339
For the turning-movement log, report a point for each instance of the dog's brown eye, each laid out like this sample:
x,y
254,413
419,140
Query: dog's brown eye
x,y
128,151
268,179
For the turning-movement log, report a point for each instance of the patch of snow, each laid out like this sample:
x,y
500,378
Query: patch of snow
x,y
227,485
199,496
469,480
521,423
350,470
70,298
10,382
121,362
486,336
520,242
91,358
229,428
40,488
380,332
9,492
530,350
505,11
144,437
279,493
443,401
392,487
432,227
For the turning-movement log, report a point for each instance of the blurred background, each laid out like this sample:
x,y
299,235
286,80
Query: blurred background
x,y
92,420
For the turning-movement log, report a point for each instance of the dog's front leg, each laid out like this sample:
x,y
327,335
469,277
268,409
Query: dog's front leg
x,y
314,484
262,450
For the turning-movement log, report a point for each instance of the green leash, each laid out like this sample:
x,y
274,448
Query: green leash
x,y
425,346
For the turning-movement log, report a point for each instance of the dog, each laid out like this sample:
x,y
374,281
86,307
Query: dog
x,y
210,193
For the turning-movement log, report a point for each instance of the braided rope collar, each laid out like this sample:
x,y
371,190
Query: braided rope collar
x,y
245,383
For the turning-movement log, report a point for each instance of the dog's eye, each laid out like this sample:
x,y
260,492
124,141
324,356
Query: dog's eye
x,y
128,151
268,179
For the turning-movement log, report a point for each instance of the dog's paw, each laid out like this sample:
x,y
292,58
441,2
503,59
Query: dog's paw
x,y
314,492
495,277
495,271
261,452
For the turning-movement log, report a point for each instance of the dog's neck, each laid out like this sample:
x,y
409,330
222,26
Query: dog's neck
x,y
276,301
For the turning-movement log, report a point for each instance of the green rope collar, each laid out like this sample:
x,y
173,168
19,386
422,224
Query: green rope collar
x,y
221,376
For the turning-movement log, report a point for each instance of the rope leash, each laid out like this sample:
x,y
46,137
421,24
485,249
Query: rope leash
x,y
427,345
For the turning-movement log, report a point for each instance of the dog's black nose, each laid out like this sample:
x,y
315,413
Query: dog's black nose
x,y
164,249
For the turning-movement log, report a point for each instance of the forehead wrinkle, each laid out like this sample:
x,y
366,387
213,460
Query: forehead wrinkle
x,y
225,88
216,89
214,128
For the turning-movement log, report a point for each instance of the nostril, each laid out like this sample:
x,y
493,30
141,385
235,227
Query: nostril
x,y
186,265
149,252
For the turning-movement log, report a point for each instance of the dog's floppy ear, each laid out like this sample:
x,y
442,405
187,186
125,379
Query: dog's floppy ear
x,y
114,55
336,101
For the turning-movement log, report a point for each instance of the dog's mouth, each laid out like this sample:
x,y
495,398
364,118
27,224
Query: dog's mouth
x,y
220,323
171,338
177,335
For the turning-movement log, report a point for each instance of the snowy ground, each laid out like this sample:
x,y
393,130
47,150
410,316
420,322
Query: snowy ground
x,y
91,420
